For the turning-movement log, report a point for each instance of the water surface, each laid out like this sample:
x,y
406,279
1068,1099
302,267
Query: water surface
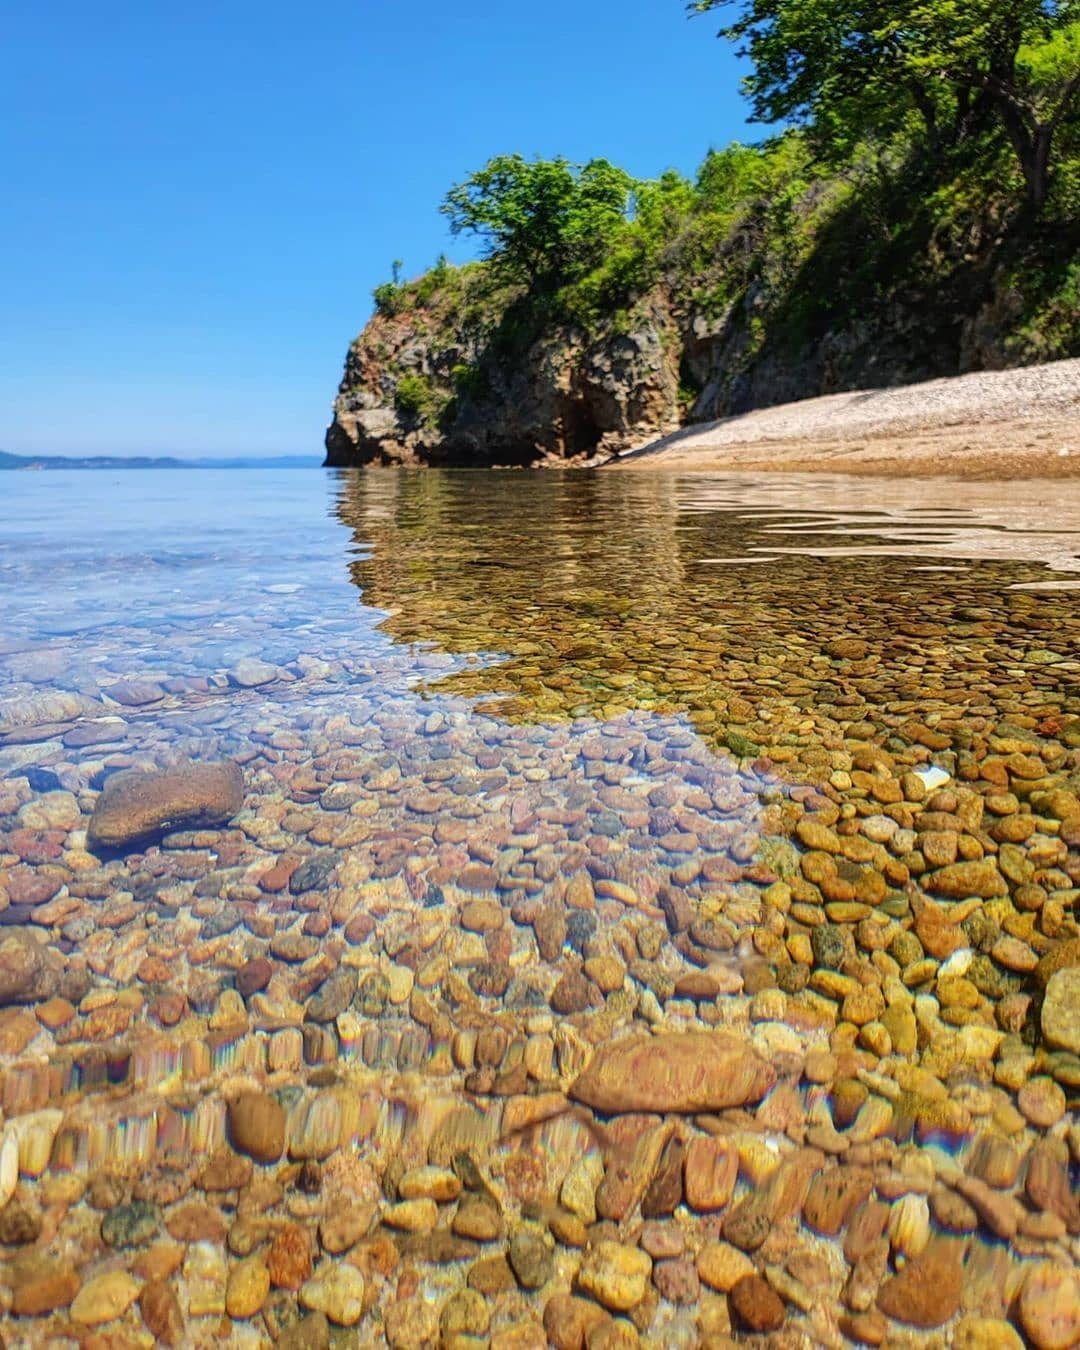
x,y
532,762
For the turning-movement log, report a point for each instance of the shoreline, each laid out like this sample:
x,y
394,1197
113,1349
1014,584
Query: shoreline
x,y
977,426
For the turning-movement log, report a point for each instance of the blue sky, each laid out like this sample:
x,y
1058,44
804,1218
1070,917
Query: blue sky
x,y
198,198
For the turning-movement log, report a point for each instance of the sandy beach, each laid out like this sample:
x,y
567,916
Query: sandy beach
x,y
988,425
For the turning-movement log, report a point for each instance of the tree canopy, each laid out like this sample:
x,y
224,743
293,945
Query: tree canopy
x,y
851,69
544,222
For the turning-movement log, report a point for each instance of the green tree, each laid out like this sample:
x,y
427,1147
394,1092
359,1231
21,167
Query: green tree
x,y
1039,101
545,222
660,206
850,69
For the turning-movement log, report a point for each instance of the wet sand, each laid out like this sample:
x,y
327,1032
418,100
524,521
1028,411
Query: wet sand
x,y
990,425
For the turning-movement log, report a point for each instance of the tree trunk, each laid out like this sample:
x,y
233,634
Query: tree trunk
x,y
1038,177
1032,141
972,110
927,110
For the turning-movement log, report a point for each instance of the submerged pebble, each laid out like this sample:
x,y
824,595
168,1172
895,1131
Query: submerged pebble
x,y
703,964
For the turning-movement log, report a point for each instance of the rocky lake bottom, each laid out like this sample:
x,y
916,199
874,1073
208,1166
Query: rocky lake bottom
x,y
519,910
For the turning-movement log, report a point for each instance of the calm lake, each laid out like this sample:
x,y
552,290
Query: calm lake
x,y
642,883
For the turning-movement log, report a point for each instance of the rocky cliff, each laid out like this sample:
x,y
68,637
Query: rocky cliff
x,y
424,387
421,388
730,306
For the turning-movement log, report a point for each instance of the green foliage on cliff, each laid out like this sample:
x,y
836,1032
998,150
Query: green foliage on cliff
x,y
928,177
544,222
415,398
947,70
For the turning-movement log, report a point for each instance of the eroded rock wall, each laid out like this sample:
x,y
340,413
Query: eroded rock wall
x,y
422,388
415,394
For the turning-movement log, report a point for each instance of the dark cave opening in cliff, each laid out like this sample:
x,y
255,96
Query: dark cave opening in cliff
x,y
580,433
505,454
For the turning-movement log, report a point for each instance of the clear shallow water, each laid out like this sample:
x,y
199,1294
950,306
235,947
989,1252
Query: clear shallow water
x,y
547,597
207,554
561,700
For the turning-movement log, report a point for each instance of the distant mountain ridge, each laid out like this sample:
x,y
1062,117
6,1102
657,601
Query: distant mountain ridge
x,y
9,461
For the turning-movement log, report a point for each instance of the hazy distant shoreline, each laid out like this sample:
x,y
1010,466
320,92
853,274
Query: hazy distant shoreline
x,y
45,462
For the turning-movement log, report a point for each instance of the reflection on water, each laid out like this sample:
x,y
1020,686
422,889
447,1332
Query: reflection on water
x,y
533,765
725,600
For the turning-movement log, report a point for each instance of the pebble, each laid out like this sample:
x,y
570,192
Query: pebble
x,y
412,1216
1042,1102
465,1314
41,1288
206,1277
161,1312
104,1298
829,946
756,1306
690,1071
477,1218
491,1276
136,805
998,1212
9,1164
24,971
616,1275
135,693
1047,1185
677,1280
289,1258
337,1291
1049,1306
926,1292
225,1171
985,1333
257,1126
1060,1017
747,1224
720,1265
961,880
314,872
530,1259
19,1224
710,1172
411,1324
131,1225
51,811
250,673
435,1183
569,1321
333,996
578,1190
309,1333
247,1288
833,1195
909,1225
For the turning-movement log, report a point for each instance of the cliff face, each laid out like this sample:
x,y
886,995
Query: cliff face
x,y
451,370
420,389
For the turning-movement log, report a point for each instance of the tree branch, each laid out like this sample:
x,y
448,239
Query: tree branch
x,y
1005,93
1068,94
